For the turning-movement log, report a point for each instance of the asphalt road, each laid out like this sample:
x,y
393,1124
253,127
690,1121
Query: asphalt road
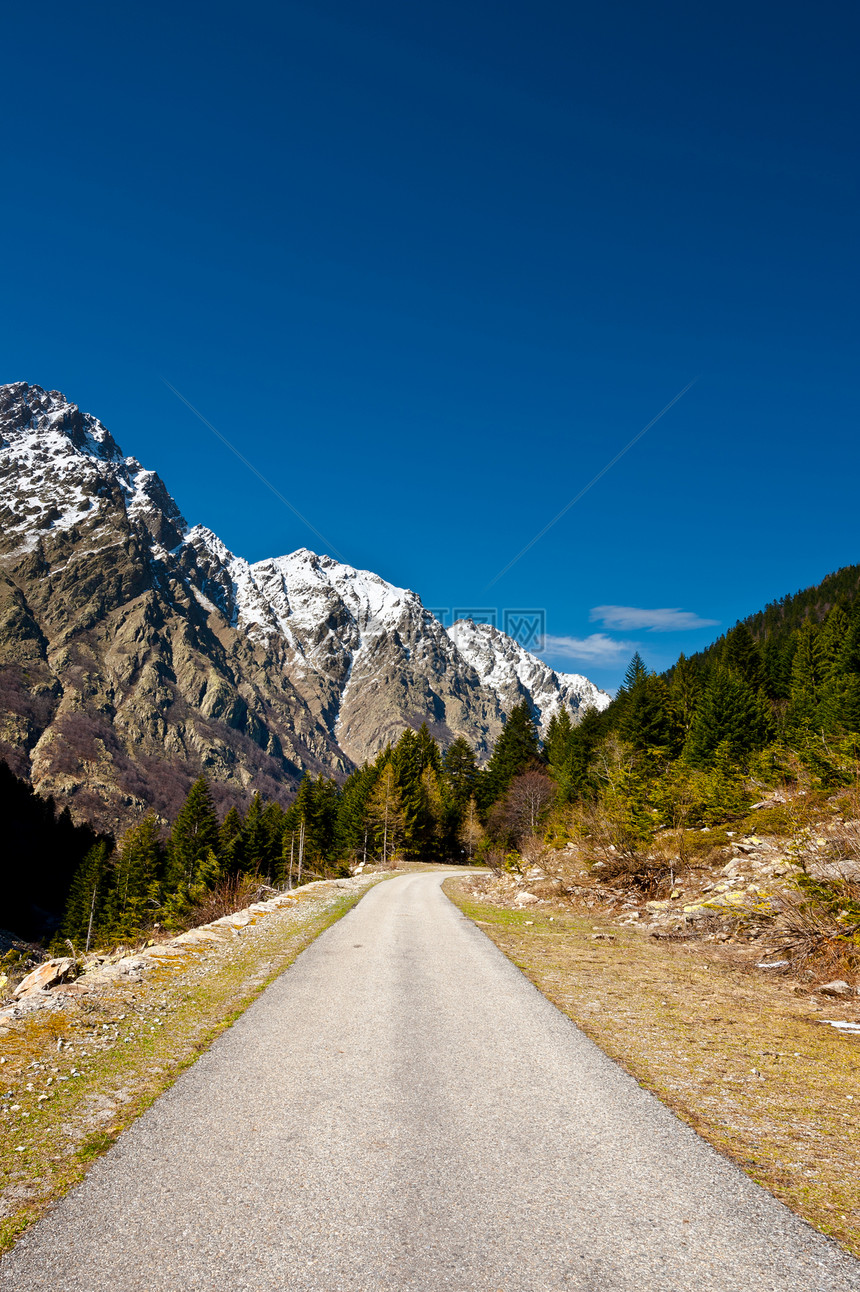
x,y
402,1109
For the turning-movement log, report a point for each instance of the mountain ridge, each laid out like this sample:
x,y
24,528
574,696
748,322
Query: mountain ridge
x,y
132,643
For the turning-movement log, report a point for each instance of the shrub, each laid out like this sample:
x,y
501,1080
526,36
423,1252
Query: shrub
x,y
229,895
777,820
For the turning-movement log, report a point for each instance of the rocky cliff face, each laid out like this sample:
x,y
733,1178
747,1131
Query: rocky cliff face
x,y
136,652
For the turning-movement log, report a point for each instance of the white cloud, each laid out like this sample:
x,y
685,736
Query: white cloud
x,y
597,648
671,620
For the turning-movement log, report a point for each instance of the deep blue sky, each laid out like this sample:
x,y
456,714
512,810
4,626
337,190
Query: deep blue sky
x,y
431,266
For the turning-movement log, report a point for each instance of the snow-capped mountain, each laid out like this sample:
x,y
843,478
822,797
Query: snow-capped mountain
x,y
514,674
362,653
136,651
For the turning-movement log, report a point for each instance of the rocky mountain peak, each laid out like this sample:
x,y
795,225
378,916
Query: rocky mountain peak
x,y
515,674
60,468
33,415
136,652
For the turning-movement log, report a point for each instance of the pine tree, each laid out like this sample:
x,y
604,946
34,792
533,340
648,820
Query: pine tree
x,y
556,745
741,655
194,832
516,750
459,772
86,902
229,840
807,677
731,717
132,900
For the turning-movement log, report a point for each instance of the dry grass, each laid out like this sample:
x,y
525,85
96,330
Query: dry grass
x,y
742,1059
72,1080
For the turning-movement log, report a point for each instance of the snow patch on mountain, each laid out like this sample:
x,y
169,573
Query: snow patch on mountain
x,y
59,466
515,674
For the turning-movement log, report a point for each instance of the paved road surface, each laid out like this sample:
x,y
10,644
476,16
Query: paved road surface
x,y
402,1109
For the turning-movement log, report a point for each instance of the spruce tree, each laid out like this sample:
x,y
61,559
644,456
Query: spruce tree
x,y
86,902
351,829
741,655
326,805
636,672
273,831
807,677
838,708
251,848
849,655
516,750
731,717
428,840
194,832
459,772
428,750
229,841
831,640
685,691
556,745
406,764
133,897
209,873
646,719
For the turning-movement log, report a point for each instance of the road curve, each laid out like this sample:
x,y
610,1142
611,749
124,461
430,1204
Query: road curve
x,y
402,1109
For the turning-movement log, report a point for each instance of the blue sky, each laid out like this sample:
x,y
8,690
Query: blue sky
x,y
430,267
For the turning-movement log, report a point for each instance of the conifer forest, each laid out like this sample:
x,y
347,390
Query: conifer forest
x,y
775,699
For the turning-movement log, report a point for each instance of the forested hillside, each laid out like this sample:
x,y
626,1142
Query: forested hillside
x,y
774,628
774,700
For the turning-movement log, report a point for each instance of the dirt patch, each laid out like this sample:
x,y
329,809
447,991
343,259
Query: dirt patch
x,y
741,1058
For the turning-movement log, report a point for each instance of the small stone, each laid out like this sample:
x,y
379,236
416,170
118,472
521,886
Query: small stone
x,y
836,988
46,975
